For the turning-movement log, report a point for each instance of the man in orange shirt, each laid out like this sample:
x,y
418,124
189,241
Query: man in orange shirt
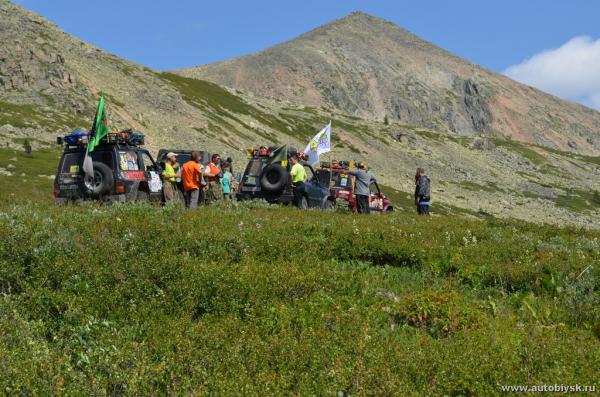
x,y
193,181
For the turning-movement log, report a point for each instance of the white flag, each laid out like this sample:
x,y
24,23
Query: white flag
x,y
88,166
319,144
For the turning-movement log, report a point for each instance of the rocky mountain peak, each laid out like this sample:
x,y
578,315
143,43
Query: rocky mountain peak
x,y
369,67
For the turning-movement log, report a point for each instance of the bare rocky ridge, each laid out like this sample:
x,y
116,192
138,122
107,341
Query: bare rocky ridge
x,y
369,67
49,84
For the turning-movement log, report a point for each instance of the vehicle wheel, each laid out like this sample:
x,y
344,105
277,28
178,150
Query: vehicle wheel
x,y
142,197
274,178
101,183
389,210
304,203
328,205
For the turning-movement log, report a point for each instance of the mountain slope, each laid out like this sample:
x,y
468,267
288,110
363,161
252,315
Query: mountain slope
x,y
49,82
369,67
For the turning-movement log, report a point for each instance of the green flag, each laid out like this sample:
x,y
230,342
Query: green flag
x,y
99,130
280,155
100,126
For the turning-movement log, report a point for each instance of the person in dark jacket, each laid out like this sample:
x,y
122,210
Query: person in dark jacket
x,y
422,192
362,191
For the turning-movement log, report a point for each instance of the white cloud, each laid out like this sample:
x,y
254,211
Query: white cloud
x,y
571,71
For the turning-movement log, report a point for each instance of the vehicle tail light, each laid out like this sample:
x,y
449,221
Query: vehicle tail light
x,y
120,187
56,189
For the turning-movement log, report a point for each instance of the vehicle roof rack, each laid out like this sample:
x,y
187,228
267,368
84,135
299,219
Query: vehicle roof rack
x,y
80,139
335,164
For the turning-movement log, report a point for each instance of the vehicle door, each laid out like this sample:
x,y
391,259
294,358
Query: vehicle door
x,y
315,191
375,199
251,177
70,174
151,174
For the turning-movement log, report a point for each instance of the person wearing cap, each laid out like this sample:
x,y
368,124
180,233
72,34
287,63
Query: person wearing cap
x,y
213,175
170,178
362,191
192,180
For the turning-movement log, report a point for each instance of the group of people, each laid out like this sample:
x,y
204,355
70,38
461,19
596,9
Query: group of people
x,y
362,189
364,179
215,182
208,184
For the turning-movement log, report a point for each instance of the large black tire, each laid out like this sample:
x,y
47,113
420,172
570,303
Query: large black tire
x,y
328,205
274,178
304,203
103,180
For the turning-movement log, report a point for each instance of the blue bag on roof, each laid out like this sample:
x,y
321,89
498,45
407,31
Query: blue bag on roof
x,y
75,137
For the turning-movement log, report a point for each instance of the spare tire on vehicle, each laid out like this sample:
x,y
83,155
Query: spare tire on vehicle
x,y
274,178
102,182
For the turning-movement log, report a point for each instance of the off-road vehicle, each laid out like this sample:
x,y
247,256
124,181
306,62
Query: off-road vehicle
x,y
341,184
183,156
123,170
267,176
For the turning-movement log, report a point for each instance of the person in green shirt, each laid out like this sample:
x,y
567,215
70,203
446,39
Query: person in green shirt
x,y
170,178
298,174
226,182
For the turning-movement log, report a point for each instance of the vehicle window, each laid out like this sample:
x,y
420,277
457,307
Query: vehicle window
x,y
323,177
254,168
147,161
343,181
253,171
339,180
183,158
312,176
128,161
374,189
103,157
72,163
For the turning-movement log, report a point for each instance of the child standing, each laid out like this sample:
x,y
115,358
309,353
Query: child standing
x,y
226,182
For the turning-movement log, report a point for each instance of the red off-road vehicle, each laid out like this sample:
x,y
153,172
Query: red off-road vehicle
x,y
341,185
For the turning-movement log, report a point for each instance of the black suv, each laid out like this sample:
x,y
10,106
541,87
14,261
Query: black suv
x,y
267,176
123,171
183,156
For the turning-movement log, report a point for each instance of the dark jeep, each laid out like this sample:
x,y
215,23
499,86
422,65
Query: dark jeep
x,y
267,176
183,156
123,171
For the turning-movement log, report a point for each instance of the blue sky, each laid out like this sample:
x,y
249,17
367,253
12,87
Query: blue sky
x,y
180,33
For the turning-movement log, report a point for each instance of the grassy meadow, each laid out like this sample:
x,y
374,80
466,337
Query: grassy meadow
x,y
248,299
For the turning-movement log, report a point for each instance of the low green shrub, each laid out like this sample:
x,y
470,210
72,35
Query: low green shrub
x,y
247,298
439,313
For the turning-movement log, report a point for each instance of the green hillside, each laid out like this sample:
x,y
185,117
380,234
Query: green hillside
x,y
254,300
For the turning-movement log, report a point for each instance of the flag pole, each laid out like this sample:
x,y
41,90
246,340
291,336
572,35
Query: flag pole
x,y
330,172
330,161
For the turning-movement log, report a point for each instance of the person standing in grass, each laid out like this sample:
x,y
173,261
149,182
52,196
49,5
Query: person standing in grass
x,y
226,182
213,175
298,175
422,192
362,191
170,178
193,180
